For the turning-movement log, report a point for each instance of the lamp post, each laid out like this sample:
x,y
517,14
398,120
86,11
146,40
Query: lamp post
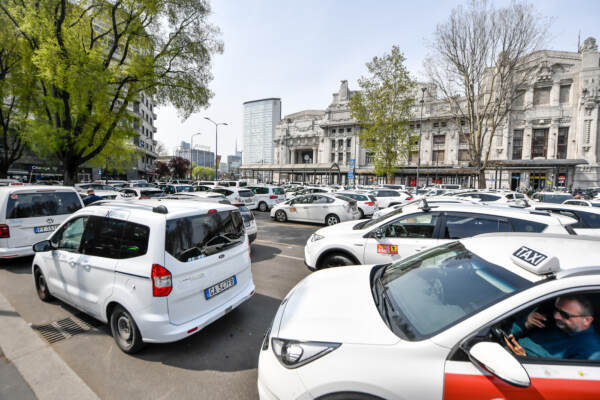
x,y
192,150
423,89
216,141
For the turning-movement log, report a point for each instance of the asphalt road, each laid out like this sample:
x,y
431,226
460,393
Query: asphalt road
x,y
219,362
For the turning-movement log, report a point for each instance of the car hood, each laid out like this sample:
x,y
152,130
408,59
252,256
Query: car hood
x,y
333,305
337,229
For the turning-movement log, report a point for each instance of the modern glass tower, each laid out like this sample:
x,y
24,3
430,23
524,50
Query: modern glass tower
x,y
260,119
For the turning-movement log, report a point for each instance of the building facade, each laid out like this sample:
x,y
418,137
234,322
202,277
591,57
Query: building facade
x,y
199,155
261,118
550,138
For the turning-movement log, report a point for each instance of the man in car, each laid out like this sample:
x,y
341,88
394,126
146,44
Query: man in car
x,y
91,197
571,336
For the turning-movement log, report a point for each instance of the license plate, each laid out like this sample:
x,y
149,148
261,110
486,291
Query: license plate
x,y
247,201
248,224
44,229
220,287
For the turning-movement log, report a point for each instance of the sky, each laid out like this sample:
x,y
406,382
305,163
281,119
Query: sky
x,y
299,51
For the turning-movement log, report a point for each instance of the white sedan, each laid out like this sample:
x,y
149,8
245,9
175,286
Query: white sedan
x,y
417,227
328,209
433,326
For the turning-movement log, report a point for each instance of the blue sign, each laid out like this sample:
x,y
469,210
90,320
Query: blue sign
x,y
352,163
350,175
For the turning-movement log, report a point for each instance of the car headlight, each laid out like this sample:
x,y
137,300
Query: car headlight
x,y
314,237
293,353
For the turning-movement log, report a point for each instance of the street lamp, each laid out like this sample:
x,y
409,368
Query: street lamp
x,y
216,128
192,150
423,89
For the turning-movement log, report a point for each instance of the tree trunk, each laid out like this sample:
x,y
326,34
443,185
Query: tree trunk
x,y
481,179
70,173
3,171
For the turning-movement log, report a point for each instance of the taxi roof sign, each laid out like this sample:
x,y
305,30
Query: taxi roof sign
x,y
535,261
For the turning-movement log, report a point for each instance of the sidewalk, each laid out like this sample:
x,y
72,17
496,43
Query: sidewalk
x,y
29,367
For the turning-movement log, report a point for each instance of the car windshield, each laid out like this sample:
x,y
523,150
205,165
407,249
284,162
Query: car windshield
x,y
430,291
183,188
556,198
245,193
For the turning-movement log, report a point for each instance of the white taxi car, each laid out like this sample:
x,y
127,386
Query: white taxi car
x,y
588,218
366,203
417,227
433,326
238,196
149,268
328,209
267,196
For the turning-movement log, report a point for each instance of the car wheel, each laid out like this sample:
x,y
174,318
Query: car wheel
x,y
125,331
332,219
362,214
262,206
335,260
41,286
280,216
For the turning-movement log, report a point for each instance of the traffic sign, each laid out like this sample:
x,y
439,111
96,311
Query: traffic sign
x,y
352,163
350,175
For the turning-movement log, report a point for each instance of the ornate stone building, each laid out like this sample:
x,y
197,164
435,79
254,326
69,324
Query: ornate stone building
x,y
550,137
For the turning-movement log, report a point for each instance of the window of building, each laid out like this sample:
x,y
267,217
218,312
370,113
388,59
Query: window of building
x,y
463,138
414,157
517,150
332,157
411,126
333,131
519,98
436,124
333,144
565,92
348,157
439,139
444,124
340,157
418,126
463,155
539,143
438,156
562,141
340,143
588,129
348,129
541,96
349,142
369,158
463,122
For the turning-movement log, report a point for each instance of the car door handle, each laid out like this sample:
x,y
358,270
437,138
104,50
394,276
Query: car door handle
x,y
73,264
420,248
87,267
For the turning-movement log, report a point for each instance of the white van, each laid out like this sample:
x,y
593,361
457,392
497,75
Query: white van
x,y
156,271
29,214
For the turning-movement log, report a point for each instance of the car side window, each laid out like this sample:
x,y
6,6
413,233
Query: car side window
x,y
592,220
412,226
556,329
103,237
460,226
319,200
69,237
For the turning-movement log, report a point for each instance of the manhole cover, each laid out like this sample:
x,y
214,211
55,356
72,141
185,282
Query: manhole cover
x,y
68,327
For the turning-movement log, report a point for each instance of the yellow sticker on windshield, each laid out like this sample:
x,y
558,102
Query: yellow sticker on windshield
x,y
387,249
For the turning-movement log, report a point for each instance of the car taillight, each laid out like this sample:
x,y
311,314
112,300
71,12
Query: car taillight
x,y
249,248
409,198
273,197
4,232
370,203
161,281
144,197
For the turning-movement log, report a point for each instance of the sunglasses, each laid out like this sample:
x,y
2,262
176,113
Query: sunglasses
x,y
566,315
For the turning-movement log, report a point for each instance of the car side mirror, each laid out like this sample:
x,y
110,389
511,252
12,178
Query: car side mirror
x,y
44,245
378,233
498,361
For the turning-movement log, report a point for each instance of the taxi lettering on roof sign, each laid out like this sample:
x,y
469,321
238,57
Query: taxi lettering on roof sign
x,y
387,249
530,256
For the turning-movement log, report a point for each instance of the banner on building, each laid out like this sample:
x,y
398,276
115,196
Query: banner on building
x,y
218,162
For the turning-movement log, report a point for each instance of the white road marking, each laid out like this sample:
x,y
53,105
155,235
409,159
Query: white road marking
x,y
278,243
293,258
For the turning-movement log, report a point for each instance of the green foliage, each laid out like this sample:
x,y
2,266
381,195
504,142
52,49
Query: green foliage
x,y
205,173
382,109
91,59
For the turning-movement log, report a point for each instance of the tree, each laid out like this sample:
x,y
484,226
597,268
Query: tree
x,y
93,58
480,67
180,167
16,94
382,110
161,150
162,169
200,172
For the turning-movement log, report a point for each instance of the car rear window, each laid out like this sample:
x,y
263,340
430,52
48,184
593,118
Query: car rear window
x,y
152,193
183,189
245,193
41,204
190,238
278,191
556,198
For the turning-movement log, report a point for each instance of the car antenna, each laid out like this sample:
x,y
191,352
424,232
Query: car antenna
x,y
425,207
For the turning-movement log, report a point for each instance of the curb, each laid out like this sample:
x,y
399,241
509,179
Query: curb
x,y
49,377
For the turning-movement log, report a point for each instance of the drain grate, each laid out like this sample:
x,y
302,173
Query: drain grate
x,y
68,327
